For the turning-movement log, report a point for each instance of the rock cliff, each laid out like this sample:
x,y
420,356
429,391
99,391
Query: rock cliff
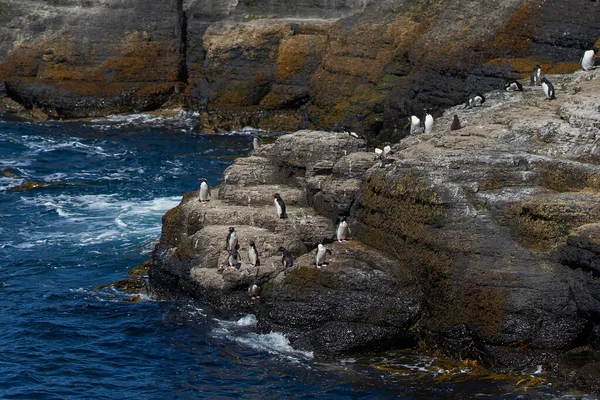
x,y
281,65
481,242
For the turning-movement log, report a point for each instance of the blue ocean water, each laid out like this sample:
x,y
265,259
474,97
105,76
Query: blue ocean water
x,y
104,186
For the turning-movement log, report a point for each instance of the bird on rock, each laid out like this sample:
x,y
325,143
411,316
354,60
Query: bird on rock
x,y
455,124
475,100
548,89
232,240
322,252
513,86
204,191
415,124
587,61
234,256
253,255
428,122
254,291
535,78
342,229
287,260
279,206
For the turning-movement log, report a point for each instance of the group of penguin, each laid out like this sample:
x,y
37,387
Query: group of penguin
x,y
477,99
287,259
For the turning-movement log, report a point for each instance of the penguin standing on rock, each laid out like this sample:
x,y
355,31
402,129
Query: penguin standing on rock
x,y
322,252
455,124
234,256
513,86
428,122
256,142
342,230
536,75
287,260
383,153
204,191
548,89
415,124
232,240
587,61
254,291
475,100
280,206
253,255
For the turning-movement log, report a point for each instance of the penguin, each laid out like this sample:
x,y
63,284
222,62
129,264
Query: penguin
x,y
253,255
415,124
536,75
513,86
256,142
385,163
234,255
280,206
587,61
548,89
428,123
204,191
232,240
287,260
475,100
455,124
322,252
342,230
383,153
254,291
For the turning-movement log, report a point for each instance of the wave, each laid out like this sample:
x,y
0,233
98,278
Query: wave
x,y
272,343
185,120
86,220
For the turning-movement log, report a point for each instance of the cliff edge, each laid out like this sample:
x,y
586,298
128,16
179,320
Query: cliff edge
x,y
282,65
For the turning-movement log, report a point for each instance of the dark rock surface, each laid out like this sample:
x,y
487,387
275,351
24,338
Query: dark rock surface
x,y
481,243
281,65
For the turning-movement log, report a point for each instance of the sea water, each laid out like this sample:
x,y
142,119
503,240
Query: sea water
x,y
80,205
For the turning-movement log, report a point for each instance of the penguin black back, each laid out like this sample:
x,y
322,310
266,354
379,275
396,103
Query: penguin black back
x,y
455,124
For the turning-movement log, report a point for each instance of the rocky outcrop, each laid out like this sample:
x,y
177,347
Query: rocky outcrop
x,y
360,300
480,242
281,65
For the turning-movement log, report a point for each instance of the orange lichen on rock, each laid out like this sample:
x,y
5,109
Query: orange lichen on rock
x,y
298,54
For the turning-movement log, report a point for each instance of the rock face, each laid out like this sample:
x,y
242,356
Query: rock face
x,y
360,300
482,242
281,65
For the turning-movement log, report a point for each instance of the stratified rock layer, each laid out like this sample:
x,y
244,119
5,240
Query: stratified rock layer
x,y
281,65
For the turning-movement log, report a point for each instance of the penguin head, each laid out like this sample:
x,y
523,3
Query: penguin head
x,y
231,229
202,179
282,249
342,218
277,196
251,244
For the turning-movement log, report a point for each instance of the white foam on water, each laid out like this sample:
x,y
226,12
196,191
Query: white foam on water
x,y
7,183
95,219
120,222
247,320
273,343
